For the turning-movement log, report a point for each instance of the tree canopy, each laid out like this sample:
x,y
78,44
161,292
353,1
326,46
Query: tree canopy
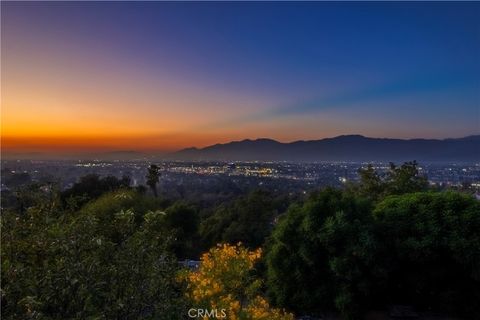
x,y
335,252
405,178
110,251
90,187
249,220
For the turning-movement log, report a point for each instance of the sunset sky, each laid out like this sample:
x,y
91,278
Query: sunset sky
x,y
150,76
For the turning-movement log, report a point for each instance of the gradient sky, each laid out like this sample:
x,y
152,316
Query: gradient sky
x,y
102,76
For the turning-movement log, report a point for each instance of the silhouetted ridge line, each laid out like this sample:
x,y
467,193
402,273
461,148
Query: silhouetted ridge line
x,y
341,148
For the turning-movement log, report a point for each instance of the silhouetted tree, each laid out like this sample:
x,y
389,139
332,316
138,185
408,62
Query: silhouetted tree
x,y
405,179
397,180
371,184
153,176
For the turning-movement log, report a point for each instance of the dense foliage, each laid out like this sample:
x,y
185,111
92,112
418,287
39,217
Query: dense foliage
x,y
419,249
107,261
429,249
301,273
90,187
182,220
102,249
249,220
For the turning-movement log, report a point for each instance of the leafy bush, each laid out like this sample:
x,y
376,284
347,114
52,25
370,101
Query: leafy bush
x,y
107,261
224,281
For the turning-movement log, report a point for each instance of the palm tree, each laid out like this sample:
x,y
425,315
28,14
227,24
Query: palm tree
x,y
153,176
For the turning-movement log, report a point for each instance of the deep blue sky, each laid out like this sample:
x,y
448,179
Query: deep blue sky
x,y
243,70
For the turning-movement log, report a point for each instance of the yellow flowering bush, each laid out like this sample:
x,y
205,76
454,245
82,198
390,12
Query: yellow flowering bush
x,y
224,281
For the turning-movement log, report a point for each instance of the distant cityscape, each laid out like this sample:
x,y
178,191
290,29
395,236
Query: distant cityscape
x,y
283,175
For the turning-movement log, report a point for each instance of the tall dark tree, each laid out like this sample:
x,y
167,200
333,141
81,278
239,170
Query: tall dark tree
x,y
153,176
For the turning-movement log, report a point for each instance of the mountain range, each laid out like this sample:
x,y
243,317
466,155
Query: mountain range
x,y
342,148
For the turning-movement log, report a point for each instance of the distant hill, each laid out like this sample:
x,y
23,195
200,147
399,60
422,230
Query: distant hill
x,y
341,148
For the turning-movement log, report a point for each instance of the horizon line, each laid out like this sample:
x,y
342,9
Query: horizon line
x,y
61,152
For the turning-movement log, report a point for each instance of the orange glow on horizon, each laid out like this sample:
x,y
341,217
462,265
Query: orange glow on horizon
x,y
55,99
85,143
